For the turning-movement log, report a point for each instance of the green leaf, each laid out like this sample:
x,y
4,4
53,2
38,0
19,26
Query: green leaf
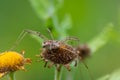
x,y
65,25
43,8
66,22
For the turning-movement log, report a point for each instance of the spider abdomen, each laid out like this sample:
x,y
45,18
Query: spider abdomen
x,y
60,55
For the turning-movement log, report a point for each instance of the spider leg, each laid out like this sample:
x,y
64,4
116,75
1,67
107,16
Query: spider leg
x,y
58,67
46,61
68,67
20,37
23,34
71,39
75,63
35,33
50,65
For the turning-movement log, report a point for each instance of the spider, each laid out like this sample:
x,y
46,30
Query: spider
x,y
57,52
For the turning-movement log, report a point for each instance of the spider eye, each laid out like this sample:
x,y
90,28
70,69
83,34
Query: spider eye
x,y
43,44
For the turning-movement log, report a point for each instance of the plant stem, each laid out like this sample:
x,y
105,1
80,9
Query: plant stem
x,y
58,73
12,76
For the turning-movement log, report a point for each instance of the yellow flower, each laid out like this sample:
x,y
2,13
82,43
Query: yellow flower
x,y
11,61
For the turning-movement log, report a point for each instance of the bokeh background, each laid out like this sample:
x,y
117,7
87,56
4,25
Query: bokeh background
x,y
89,17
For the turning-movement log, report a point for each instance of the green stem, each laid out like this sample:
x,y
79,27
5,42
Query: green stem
x,y
58,73
12,76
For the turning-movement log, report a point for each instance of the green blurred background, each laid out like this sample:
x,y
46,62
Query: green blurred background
x,y
89,17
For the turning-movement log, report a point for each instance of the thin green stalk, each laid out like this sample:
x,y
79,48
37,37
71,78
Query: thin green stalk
x,y
12,76
58,73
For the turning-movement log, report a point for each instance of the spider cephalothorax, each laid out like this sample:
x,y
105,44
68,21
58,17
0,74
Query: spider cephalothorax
x,y
51,44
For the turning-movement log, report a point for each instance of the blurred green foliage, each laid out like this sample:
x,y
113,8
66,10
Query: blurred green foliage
x,y
88,20
101,39
112,76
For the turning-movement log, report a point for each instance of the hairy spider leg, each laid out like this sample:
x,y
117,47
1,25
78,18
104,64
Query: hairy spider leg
x,y
36,33
71,39
51,35
23,34
87,70
20,37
